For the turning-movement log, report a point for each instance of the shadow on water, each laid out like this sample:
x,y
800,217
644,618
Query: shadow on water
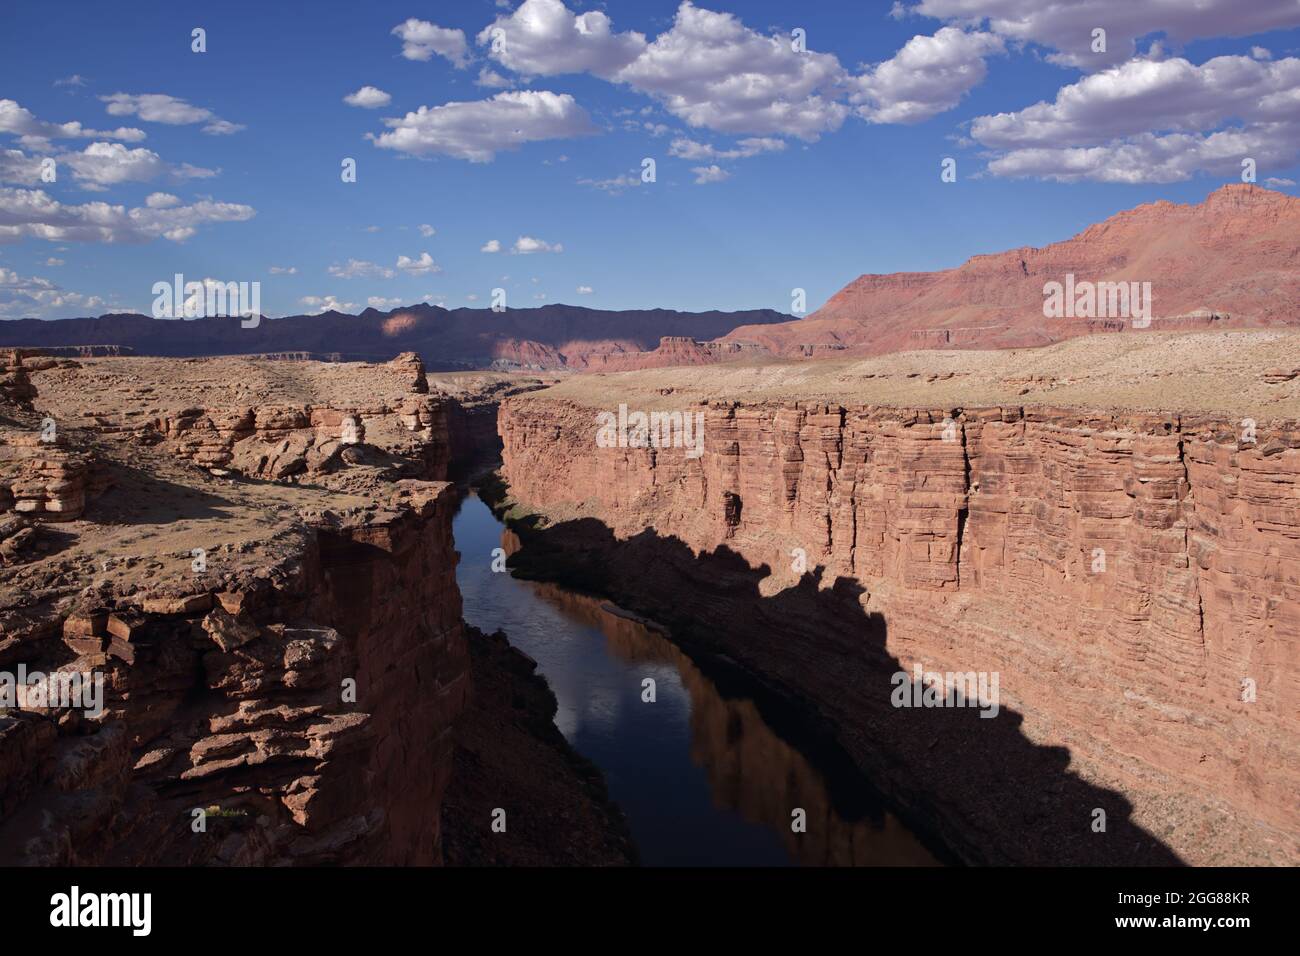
x,y
817,668
701,776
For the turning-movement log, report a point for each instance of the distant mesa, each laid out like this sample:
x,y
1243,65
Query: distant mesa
x,y
552,337
1231,261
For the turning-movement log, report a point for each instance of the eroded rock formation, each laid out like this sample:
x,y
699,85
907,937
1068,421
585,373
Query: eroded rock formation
x,y
1133,578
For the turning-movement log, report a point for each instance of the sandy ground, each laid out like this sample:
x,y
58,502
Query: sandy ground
x,y
1205,372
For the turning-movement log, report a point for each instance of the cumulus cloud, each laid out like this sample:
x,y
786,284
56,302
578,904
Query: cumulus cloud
x,y
492,245
712,71
477,130
360,269
97,167
420,266
527,245
545,38
168,110
283,270
17,167
368,97
1065,26
708,69
101,165
929,75
34,213
427,230
422,39
36,133
326,303
1154,121
379,302
585,290
35,297
709,174
493,80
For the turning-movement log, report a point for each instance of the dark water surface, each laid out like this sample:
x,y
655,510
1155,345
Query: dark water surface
x,y
702,779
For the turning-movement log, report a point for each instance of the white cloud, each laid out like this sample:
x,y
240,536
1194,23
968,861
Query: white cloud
x,y
424,265
689,149
34,213
710,70
1066,25
368,97
614,185
1277,182
17,167
161,200
76,79
101,165
427,230
492,80
167,109
1154,121
544,38
1261,53
585,290
929,75
709,174
220,127
360,269
477,130
36,133
52,261
422,39
283,270
492,245
379,302
527,245
326,303
35,297
1145,95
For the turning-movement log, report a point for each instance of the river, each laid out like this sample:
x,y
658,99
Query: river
x,y
702,779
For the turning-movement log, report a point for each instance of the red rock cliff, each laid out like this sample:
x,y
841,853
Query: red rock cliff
x,y
1131,577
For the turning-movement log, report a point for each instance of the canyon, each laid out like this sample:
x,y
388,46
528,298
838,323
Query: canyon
x,y
251,534
1132,575
258,558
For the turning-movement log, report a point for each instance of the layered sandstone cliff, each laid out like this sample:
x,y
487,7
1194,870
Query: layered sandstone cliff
x,y
1134,578
282,663
1230,261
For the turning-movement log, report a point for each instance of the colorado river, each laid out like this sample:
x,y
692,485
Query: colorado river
x,y
701,778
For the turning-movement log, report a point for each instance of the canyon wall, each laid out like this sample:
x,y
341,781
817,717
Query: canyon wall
x,y
1134,580
267,590
232,696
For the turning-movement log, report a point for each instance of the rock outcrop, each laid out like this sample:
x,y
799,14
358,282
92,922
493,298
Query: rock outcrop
x,y
1227,262
281,665
1133,578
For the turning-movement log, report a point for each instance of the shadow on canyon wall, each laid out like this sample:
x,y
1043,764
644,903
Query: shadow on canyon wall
x,y
816,664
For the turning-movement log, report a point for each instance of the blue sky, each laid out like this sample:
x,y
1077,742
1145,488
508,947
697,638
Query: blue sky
x,y
775,169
